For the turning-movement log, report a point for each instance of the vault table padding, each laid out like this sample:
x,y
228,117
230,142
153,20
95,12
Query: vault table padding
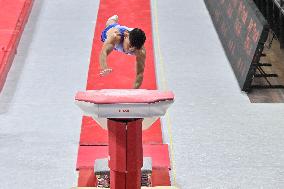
x,y
114,96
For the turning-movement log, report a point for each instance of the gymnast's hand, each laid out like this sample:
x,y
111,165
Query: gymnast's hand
x,y
105,71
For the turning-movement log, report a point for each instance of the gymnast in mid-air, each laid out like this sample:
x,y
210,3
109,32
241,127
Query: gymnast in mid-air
x,y
126,40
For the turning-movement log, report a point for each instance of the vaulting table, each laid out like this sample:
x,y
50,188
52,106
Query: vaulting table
x,y
125,113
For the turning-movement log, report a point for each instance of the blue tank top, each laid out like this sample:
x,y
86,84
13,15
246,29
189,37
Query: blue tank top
x,y
121,29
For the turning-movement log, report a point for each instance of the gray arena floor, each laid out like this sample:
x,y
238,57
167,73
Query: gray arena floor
x,y
40,124
220,140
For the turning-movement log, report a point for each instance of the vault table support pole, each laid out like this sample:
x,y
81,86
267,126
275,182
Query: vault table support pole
x,y
126,153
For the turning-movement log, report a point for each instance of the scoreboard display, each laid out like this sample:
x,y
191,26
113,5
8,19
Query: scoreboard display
x,y
243,31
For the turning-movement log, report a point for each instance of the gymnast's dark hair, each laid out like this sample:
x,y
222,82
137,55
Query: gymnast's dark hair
x,y
137,38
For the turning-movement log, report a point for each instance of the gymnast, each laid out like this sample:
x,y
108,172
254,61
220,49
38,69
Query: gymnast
x,y
126,40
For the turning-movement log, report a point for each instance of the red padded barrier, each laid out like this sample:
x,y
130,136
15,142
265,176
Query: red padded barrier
x,y
13,17
10,13
8,42
87,178
88,154
6,59
161,177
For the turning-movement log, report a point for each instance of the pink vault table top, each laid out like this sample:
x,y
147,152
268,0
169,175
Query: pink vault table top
x,y
113,96
124,103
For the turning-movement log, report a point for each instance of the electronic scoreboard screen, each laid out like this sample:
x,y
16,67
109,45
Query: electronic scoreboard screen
x,y
243,31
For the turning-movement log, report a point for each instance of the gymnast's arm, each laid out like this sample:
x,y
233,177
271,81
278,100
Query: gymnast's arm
x,y
140,64
107,48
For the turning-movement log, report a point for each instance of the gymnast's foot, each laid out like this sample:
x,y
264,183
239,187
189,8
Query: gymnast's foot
x,y
114,17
